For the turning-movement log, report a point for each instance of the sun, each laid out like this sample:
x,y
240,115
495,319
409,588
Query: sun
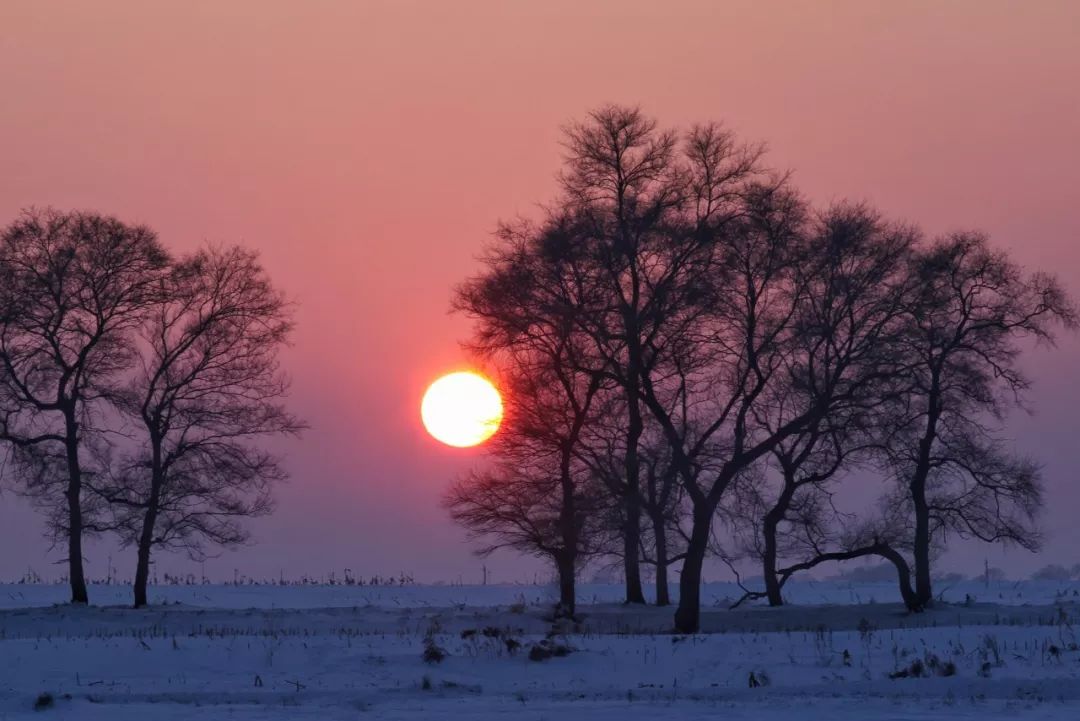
x,y
461,409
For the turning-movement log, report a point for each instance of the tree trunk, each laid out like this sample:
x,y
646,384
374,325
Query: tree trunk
x,y
146,536
565,565
142,571
146,539
903,572
769,525
632,501
688,613
663,595
921,551
631,549
566,561
924,594
877,548
768,559
74,507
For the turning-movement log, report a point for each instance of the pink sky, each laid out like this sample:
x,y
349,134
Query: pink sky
x,y
368,149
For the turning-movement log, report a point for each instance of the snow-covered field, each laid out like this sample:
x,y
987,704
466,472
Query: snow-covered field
x,y
349,652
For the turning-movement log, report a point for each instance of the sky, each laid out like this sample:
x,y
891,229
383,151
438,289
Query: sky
x,y
368,149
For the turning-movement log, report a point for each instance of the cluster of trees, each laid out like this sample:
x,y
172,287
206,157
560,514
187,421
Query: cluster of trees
x,y
135,386
1057,572
690,352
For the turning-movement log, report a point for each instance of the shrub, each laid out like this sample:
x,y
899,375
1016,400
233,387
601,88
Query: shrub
x,y
919,668
547,648
758,678
433,653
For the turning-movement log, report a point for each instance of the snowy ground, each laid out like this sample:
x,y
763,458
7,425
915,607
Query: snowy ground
x,y
348,652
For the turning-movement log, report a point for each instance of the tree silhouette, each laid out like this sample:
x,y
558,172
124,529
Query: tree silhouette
x,y
645,204
752,353
73,286
536,496
973,308
846,358
207,389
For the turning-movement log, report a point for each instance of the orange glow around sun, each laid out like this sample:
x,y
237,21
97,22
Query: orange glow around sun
x,y
461,409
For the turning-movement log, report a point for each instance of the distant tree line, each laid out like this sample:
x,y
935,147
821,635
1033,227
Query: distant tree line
x,y
689,352
136,387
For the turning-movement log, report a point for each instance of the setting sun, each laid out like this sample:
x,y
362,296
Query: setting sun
x,y
461,409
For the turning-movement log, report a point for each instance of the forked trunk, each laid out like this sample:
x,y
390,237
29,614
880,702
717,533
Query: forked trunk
x,y
903,572
769,526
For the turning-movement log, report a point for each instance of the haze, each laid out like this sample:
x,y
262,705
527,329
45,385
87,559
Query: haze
x,y
367,149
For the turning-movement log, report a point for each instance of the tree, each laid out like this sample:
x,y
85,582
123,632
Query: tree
x,y
1052,572
646,203
208,387
656,235
845,358
618,168
72,288
537,496
966,324
740,328
968,311
737,346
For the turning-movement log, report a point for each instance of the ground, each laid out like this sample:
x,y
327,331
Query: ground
x,y
1007,650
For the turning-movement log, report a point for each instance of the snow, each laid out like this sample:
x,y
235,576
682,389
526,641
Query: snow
x,y
337,652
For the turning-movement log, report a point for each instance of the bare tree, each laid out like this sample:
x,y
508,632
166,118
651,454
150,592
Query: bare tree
x,y
618,167
966,314
733,349
208,388
537,496
973,310
847,329
643,200
744,329
655,235
534,496
72,288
